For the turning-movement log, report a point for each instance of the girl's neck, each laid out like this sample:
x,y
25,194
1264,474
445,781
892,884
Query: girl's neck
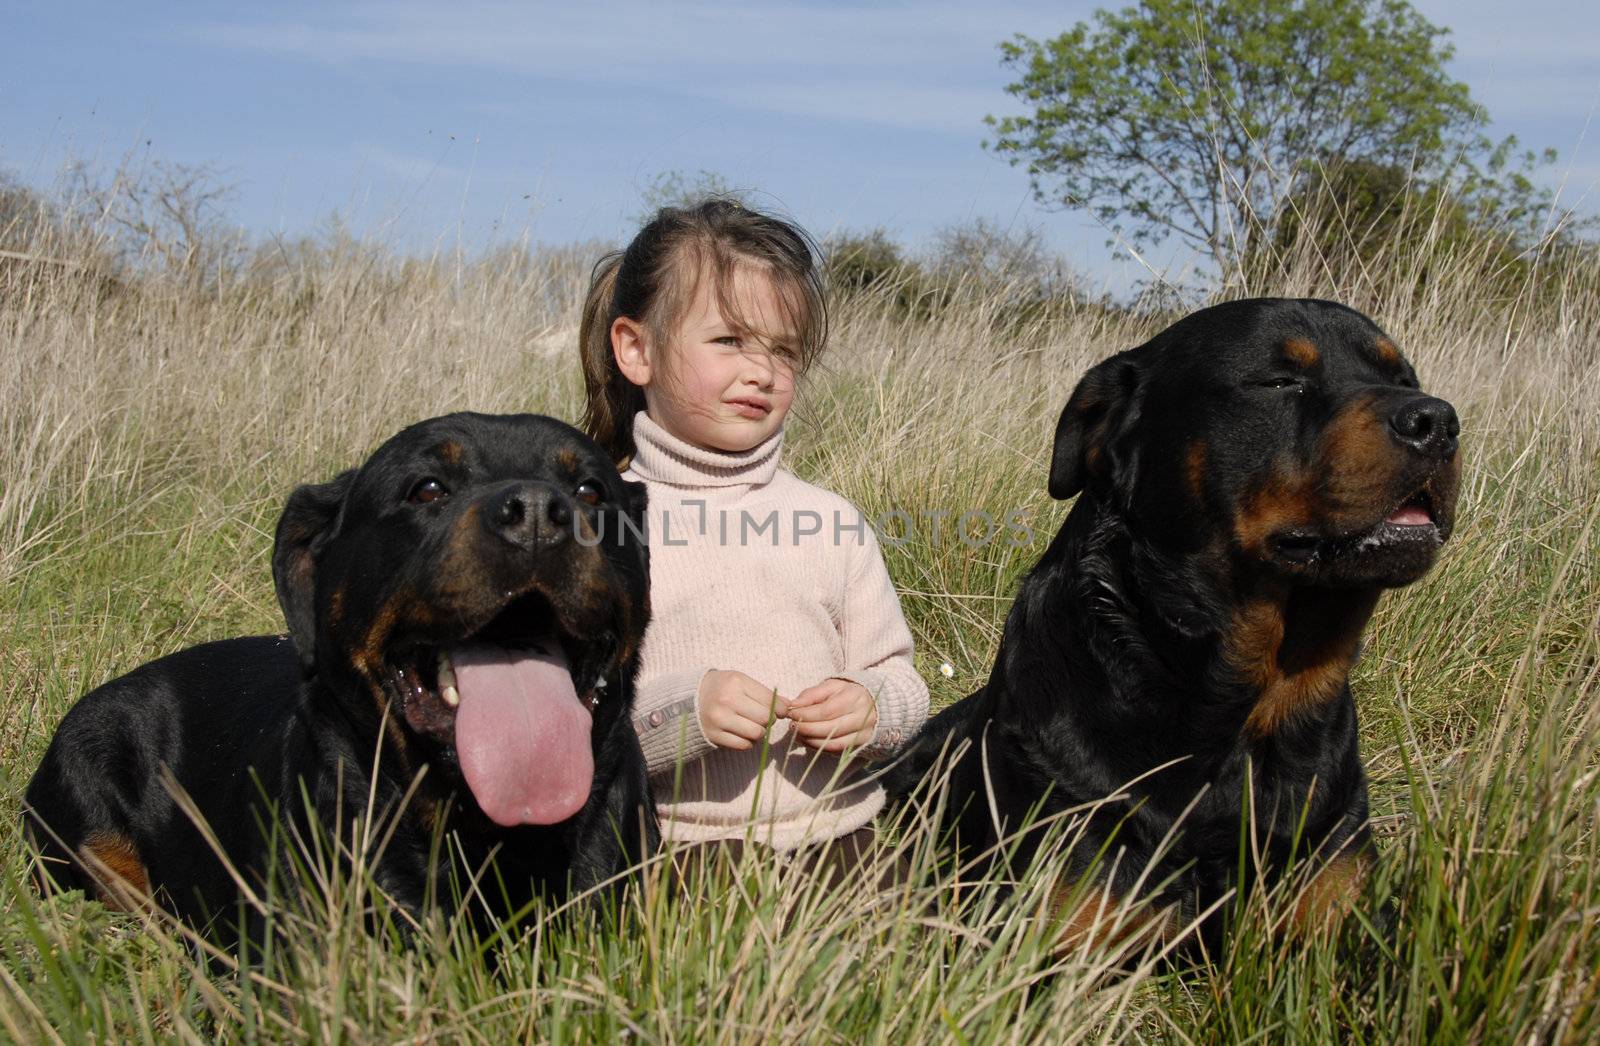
x,y
661,457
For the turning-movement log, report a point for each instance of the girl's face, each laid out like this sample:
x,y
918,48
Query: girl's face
x,y
715,383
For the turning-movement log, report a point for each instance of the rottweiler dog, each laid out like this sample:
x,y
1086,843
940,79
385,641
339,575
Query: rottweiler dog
x,y
1249,482
469,603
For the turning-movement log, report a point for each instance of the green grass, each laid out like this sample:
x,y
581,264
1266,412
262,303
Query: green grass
x,y
153,435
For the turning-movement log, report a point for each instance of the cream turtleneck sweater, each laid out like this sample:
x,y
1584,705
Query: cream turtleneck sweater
x,y
756,570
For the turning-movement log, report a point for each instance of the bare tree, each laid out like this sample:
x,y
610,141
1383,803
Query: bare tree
x,y
172,215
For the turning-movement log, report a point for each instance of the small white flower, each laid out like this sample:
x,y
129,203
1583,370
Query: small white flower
x,y
947,670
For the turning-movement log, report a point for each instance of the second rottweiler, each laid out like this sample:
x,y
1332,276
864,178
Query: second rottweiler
x,y
470,601
1251,480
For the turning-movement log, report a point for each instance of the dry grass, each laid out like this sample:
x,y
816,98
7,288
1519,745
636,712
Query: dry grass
x,y
153,428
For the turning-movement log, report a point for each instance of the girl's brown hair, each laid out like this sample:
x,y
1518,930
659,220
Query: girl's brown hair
x,y
653,281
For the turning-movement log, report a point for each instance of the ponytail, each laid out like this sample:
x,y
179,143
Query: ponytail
x,y
610,400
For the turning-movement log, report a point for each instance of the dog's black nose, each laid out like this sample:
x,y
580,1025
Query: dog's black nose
x,y
1427,425
530,515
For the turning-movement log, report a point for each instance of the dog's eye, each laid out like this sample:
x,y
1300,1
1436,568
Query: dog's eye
x,y
1281,381
588,492
427,491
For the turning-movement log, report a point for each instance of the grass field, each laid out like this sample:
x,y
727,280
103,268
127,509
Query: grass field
x,y
152,427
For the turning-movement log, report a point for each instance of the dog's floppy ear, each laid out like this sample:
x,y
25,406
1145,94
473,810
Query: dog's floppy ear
x,y
1104,404
307,520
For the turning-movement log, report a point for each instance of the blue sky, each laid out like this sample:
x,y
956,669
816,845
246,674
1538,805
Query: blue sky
x,y
425,123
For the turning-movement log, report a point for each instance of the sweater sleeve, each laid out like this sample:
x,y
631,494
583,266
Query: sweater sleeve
x,y
877,651
666,719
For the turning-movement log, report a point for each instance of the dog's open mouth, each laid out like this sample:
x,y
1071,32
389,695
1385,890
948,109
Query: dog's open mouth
x,y
1413,521
1415,511
515,700
1411,524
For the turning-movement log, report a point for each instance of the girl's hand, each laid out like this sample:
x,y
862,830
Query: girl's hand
x,y
735,710
834,715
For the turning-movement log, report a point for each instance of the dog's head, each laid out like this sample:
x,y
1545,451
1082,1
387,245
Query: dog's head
x,y
1290,436
484,581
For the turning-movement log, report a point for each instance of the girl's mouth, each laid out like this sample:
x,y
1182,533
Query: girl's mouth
x,y
754,409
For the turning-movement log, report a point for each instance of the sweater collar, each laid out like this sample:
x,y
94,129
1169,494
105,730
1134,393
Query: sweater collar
x,y
660,456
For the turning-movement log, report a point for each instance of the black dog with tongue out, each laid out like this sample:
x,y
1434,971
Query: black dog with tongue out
x,y
1249,482
465,612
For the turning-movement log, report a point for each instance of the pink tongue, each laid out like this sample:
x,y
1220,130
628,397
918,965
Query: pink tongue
x,y
521,734
1410,516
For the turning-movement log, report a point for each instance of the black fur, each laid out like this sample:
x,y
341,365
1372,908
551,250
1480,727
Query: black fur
x,y
1234,477
373,577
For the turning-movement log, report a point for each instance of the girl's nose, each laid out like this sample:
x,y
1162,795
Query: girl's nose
x,y
760,368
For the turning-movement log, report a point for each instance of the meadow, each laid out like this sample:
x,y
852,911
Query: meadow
x,y
152,424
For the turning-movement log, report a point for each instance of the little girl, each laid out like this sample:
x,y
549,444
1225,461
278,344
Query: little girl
x,y
776,653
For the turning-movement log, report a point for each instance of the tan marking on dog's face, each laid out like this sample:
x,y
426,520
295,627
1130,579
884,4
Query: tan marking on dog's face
x,y
1281,503
1301,353
1331,894
1387,351
403,606
121,880
1357,465
464,583
369,661
588,586
567,459
1352,477
450,452
388,710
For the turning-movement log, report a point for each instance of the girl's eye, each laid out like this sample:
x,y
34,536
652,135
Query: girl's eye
x,y
588,492
427,491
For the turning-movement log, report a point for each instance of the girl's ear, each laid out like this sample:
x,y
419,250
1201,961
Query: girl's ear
x,y
631,350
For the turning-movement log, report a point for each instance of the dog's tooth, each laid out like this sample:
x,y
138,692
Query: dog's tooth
x,y
447,680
